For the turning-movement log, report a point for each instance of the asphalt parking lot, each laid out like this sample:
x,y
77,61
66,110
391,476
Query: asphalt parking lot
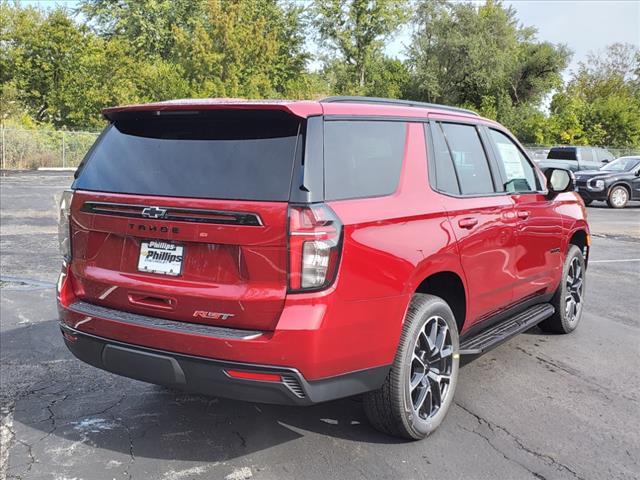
x,y
540,406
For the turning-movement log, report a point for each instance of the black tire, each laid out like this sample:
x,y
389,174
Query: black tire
x,y
566,318
391,409
587,202
618,197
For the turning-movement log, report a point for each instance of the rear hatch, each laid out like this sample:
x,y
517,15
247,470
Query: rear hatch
x,y
183,215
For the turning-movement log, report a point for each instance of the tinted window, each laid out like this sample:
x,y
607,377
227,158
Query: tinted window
x,y
469,158
518,173
562,153
232,155
445,174
362,158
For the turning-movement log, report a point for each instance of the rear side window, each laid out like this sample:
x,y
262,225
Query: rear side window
x,y
223,155
362,158
445,174
469,159
562,154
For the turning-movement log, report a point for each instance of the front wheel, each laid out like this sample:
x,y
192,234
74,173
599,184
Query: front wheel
x,y
418,391
618,197
568,300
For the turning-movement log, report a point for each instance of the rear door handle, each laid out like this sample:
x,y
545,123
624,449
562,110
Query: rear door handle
x,y
523,214
468,222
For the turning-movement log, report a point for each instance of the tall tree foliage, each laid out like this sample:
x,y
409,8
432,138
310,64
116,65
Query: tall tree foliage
x,y
353,32
601,103
462,54
251,49
60,67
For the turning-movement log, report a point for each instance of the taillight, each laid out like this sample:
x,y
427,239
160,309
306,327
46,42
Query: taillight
x,y
315,240
64,234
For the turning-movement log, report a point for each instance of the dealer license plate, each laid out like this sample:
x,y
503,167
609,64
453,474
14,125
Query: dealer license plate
x,y
157,256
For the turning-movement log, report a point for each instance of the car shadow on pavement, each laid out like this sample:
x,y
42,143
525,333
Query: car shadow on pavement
x,y
68,403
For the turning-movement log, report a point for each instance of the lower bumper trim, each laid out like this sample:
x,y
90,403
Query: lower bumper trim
x,y
207,376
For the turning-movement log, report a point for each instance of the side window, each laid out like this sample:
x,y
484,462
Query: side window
x,y
445,180
469,158
362,158
519,175
586,155
604,154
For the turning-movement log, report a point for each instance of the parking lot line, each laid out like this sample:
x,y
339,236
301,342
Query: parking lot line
x,y
616,261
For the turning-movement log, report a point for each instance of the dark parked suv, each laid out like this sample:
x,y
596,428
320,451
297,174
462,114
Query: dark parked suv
x,y
299,252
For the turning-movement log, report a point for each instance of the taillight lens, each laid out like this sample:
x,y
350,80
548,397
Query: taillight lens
x,y
315,240
64,233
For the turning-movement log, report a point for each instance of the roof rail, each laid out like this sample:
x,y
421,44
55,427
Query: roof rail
x,y
392,101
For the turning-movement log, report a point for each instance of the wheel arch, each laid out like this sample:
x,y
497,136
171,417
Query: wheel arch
x,y
580,238
449,286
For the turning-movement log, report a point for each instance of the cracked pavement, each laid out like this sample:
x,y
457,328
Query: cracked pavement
x,y
538,407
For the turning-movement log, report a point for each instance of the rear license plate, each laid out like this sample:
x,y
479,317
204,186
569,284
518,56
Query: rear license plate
x,y
161,257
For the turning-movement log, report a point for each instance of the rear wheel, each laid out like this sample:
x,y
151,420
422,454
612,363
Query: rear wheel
x,y
618,197
569,297
419,389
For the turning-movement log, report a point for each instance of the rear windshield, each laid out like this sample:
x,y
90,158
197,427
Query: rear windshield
x,y
227,155
562,153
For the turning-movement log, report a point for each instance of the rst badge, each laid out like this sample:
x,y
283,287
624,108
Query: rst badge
x,y
212,315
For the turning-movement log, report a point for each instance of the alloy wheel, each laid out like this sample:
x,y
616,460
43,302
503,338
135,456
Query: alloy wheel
x,y
619,197
574,291
431,368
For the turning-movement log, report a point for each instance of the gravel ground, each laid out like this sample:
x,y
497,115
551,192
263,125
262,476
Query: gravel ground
x,y
540,406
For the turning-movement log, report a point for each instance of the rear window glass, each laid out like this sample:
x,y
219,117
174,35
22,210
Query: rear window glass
x,y
562,153
362,158
225,155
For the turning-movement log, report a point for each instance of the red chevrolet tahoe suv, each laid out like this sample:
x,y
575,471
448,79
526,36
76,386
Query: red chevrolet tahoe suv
x,y
299,252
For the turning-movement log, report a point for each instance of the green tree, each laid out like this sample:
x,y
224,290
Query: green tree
x,y
482,58
353,33
251,49
147,25
600,105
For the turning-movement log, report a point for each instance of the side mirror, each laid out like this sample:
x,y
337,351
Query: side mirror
x,y
606,160
559,180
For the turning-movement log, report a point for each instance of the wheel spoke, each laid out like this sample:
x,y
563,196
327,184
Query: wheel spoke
x,y
446,351
437,376
416,378
436,391
422,394
442,336
424,339
569,308
433,334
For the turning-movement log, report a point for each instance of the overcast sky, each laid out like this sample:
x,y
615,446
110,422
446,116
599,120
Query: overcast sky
x,y
583,25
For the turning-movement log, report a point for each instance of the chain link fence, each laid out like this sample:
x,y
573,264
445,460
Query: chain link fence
x,y
23,149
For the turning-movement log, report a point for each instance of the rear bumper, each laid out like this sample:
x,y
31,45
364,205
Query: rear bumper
x,y
208,376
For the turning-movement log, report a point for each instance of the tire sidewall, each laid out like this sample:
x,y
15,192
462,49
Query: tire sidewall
x,y
418,427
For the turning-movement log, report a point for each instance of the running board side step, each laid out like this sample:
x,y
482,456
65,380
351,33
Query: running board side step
x,y
490,338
